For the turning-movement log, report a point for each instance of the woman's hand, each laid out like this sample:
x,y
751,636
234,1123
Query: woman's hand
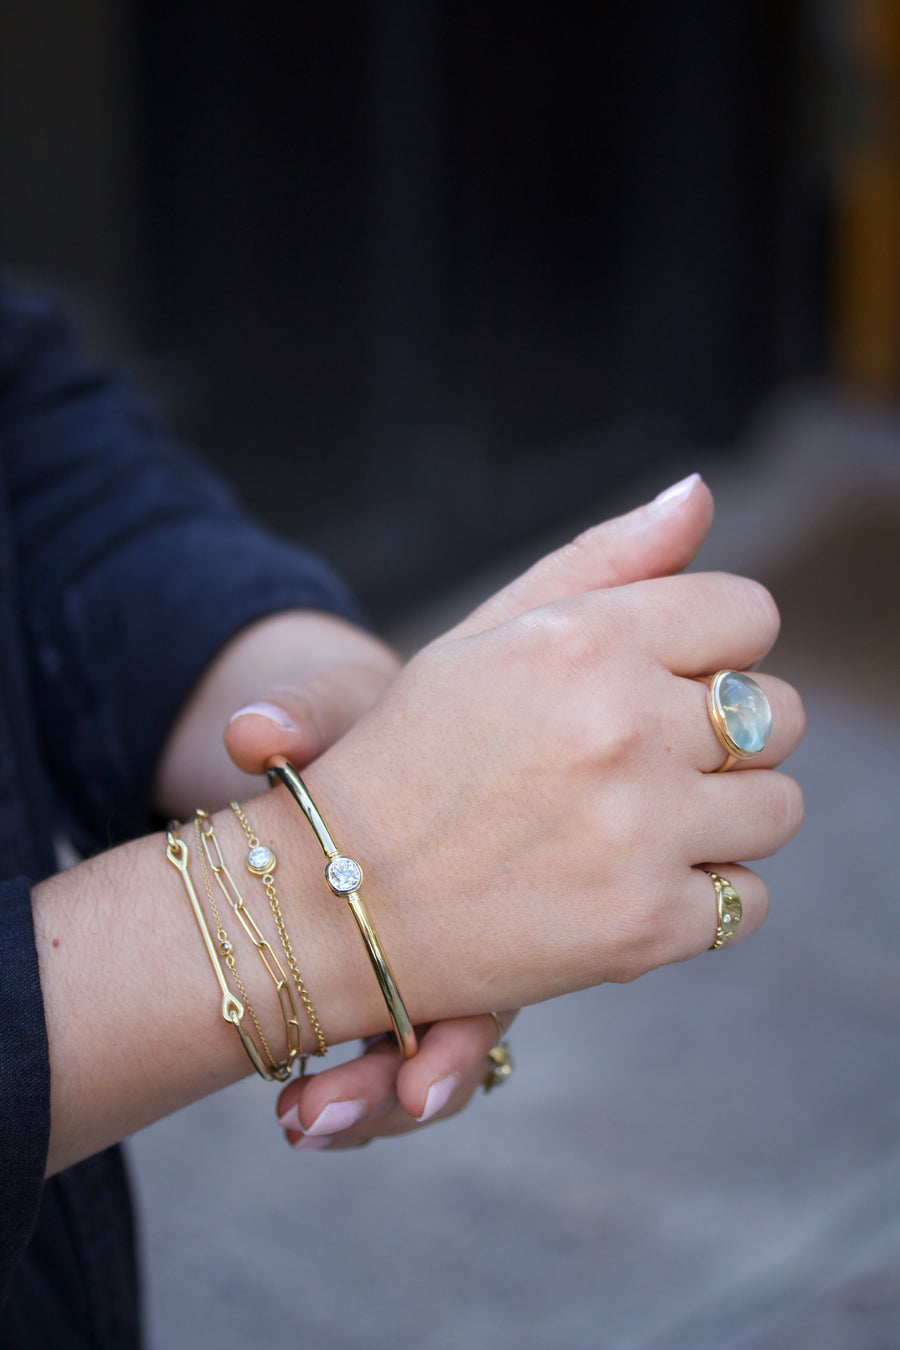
x,y
306,677
378,1094
533,800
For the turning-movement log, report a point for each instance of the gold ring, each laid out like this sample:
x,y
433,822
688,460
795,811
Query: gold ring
x,y
740,714
501,1066
728,910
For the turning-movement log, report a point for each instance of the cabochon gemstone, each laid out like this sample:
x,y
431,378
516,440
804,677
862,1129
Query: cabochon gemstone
x,y
745,711
344,875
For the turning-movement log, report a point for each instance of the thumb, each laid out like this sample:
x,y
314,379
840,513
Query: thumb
x,y
655,540
300,721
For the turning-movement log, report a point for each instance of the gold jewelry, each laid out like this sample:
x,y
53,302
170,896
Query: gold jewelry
x,y
178,854
498,1025
209,844
261,862
501,1066
740,714
344,877
728,910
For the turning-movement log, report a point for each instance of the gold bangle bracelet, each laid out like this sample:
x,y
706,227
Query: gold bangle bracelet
x,y
344,877
177,853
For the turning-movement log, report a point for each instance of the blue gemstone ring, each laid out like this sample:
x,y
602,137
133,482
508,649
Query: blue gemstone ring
x,y
740,714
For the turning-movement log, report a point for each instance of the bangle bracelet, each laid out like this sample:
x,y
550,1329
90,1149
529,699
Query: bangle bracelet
x,y
232,1009
208,844
344,877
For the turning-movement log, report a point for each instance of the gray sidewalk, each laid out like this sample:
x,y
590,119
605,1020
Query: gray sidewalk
x,y
706,1160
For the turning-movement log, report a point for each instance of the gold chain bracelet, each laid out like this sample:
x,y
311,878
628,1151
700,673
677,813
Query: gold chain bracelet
x,y
344,877
209,844
233,1010
261,862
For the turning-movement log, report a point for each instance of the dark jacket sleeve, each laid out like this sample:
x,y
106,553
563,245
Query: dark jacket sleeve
x,y
131,566
24,1076
136,566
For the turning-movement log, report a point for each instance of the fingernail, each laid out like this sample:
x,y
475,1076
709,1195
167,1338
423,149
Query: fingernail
x,y
336,1116
305,1142
439,1095
270,711
290,1119
673,496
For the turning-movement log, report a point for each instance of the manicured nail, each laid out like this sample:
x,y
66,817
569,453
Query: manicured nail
x,y
673,496
290,1119
439,1095
336,1116
322,1141
270,711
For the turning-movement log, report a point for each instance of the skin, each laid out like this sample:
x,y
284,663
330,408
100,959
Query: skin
x,y
532,799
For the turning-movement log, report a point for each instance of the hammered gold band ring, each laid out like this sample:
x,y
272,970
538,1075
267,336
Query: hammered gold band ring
x,y
500,1060
729,910
740,714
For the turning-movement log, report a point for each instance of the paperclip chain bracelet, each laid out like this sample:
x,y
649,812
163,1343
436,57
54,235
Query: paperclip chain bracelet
x,y
209,845
344,877
178,854
261,862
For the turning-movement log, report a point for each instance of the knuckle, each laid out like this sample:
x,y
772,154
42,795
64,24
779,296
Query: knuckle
x,y
761,908
760,601
793,807
559,637
784,807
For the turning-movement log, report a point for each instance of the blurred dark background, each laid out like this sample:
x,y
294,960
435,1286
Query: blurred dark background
x,y
435,283
424,278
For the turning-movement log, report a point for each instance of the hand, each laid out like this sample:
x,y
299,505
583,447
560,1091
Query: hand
x,y
378,1094
534,797
330,673
313,673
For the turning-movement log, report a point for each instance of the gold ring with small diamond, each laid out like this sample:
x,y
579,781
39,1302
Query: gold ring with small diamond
x,y
729,910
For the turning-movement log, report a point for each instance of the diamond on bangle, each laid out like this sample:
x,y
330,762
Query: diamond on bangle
x,y
343,875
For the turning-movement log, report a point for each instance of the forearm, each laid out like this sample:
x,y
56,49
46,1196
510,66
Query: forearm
x,y
132,1004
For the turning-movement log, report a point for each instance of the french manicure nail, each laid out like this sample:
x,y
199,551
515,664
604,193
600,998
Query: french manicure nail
x,y
439,1095
270,711
670,499
322,1141
336,1116
290,1119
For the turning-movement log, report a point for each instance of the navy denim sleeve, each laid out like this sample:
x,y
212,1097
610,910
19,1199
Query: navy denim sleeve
x,y
24,1076
136,567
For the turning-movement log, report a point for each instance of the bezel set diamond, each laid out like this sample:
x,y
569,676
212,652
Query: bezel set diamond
x,y
344,875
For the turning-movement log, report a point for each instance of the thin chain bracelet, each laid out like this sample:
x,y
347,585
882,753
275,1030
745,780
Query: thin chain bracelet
x,y
178,855
281,1071
256,936
261,862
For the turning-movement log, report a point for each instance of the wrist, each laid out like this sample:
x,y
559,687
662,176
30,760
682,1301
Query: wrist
x,y
333,959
